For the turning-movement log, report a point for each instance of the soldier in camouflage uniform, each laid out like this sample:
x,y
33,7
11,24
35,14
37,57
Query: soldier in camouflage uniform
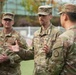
x,y
9,61
43,40
63,59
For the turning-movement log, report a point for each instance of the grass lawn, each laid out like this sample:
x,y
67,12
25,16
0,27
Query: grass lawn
x,y
27,67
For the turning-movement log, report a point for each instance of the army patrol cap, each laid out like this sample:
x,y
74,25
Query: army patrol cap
x,y
45,10
71,8
8,15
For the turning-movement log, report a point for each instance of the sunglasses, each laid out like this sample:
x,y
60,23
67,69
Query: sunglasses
x,y
41,15
7,20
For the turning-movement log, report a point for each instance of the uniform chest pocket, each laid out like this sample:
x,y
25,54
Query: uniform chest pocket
x,y
36,40
10,40
1,41
50,41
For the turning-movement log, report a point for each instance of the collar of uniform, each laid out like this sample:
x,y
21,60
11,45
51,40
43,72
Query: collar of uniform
x,y
45,32
72,27
3,34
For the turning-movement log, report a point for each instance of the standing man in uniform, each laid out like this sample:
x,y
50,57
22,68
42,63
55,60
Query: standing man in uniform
x,y
43,40
63,59
9,61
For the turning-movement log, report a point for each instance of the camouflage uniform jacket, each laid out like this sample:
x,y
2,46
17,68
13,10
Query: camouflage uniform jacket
x,y
40,58
12,65
63,60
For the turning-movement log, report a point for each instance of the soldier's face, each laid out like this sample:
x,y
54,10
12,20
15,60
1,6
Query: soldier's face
x,y
44,19
7,23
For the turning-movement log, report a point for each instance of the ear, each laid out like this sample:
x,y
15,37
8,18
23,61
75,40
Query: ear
x,y
2,21
12,22
50,16
66,17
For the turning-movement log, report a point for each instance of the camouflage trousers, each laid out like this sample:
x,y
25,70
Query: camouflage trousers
x,y
41,71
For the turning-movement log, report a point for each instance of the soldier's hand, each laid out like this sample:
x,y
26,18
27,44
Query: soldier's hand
x,y
3,58
14,48
46,48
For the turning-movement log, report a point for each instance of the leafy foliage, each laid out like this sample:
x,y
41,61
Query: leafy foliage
x,y
30,5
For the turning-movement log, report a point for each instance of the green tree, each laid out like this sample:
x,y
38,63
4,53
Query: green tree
x,y
2,4
1,8
30,5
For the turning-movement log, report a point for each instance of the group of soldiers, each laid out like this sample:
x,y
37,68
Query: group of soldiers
x,y
54,53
